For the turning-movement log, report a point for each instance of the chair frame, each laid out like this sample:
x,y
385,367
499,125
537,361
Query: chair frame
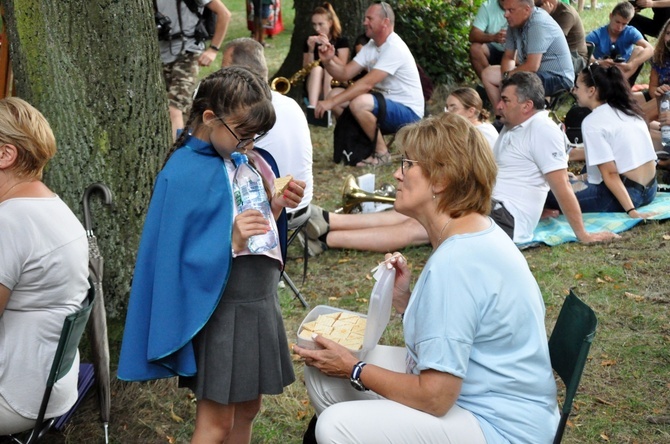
x,y
71,333
297,230
569,352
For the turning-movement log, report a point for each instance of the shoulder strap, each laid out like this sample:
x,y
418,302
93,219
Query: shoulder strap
x,y
190,4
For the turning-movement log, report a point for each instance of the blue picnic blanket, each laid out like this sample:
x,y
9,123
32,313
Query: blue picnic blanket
x,y
556,230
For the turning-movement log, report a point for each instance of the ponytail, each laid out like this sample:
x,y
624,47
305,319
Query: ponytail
x,y
612,88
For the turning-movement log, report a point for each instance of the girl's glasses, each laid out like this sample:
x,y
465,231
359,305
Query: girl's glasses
x,y
406,164
241,143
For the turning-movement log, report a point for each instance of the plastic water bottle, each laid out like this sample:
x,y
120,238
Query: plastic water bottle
x,y
250,194
665,129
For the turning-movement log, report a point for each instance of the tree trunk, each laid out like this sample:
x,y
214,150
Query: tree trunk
x,y
350,13
93,69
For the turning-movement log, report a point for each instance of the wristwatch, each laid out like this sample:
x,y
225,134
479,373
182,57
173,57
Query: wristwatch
x,y
355,378
505,75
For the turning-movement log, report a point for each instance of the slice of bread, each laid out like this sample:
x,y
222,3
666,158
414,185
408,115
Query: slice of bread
x,y
281,184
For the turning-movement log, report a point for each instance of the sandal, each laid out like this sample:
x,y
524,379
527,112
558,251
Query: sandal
x,y
383,159
367,163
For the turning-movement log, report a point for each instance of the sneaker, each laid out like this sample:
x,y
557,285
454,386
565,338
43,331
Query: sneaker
x,y
314,247
317,225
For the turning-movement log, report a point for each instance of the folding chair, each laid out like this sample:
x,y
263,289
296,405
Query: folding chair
x,y
569,346
305,256
73,328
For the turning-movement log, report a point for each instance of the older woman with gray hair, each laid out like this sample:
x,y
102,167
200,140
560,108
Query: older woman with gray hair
x,y
475,367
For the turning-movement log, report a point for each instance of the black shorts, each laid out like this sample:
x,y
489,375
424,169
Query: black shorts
x,y
502,217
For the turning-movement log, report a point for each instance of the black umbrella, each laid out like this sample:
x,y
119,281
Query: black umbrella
x,y
98,324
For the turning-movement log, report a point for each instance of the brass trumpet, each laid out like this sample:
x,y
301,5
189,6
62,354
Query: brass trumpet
x,y
353,196
283,85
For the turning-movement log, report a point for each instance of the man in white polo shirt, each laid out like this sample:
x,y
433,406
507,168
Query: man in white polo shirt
x,y
531,158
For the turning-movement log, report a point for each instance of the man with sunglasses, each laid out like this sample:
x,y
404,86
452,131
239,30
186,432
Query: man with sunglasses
x,y
534,43
391,69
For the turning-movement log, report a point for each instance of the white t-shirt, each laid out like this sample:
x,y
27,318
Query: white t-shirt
x,y
489,131
610,135
403,84
44,262
290,144
524,154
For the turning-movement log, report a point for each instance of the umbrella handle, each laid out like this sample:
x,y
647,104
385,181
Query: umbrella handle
x,y
107,195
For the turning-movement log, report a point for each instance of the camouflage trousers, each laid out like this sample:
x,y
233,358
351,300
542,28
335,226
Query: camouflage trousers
x,y
181,76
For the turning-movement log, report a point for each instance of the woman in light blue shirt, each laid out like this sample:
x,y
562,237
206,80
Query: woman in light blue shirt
x,y
476,364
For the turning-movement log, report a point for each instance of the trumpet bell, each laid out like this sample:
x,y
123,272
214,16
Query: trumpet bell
x,y
353,196
281,84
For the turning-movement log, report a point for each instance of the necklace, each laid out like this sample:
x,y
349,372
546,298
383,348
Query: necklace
x,y
12,187
439,238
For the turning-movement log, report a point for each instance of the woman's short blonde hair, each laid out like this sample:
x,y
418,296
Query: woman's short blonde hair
x,y
26,128
452,153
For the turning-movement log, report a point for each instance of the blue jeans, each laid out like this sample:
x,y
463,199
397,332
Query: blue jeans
x,y
553,83
597,198
397,116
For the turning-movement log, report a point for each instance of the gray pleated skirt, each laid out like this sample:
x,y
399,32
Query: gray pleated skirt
x,y
242,352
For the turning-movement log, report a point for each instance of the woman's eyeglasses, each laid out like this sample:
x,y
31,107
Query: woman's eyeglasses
x,y
241,143
406,164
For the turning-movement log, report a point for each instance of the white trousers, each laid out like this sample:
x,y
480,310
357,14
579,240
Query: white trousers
x,y
349,416
11,422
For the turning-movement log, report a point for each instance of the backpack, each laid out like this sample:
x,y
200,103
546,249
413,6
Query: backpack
x,y
350,143
206,26
573,123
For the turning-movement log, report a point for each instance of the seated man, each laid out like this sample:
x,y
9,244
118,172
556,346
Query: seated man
x,y
568,19
289,141
534,43
530,154
391,69
619,44
487,36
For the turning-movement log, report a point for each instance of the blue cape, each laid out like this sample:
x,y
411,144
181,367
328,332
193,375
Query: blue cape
x,y
182,264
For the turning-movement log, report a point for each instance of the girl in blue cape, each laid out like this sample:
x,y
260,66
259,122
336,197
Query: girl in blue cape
x,y
202,307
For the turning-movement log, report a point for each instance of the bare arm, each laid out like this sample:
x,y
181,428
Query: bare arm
x,y
613,183
431,391
222,19
653,3
4,298
508,61
340,70
532,63
361,86
639,57
479,36
560,186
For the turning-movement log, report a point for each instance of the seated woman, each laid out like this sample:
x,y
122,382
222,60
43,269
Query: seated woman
x,y
328,30
43,270
467,103
475,367
620,158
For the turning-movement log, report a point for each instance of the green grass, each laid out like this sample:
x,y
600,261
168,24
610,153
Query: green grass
x,y
626,381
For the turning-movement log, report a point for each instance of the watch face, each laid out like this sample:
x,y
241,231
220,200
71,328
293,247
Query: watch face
x,y
357,384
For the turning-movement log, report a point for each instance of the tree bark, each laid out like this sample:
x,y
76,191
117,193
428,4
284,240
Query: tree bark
x,y
93,69
350,13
